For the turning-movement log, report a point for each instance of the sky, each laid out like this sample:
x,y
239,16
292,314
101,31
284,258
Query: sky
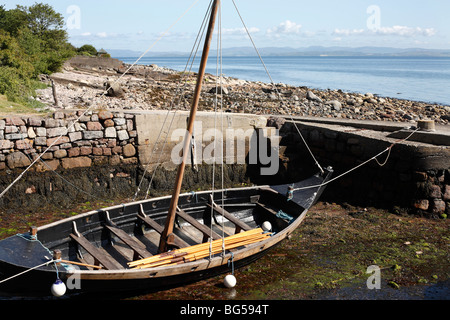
x,y
139,25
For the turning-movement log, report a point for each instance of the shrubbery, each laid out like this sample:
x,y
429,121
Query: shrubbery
x,y
32,42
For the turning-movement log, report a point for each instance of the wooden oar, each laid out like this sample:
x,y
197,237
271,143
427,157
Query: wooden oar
x,y
81,264
198,247
200,253
216,248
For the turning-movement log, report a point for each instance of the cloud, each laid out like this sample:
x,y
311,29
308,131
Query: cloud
x,y
239,31
405,31
402,31
285,28
97,35
347,32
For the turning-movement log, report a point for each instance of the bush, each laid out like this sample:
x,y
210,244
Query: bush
x,y
16,88
32,42
87,50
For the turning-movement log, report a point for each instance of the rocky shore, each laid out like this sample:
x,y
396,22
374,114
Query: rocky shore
x,y
83,81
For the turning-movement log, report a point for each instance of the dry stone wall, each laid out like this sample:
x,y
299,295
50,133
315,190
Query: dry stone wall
x,y
413,176
70,139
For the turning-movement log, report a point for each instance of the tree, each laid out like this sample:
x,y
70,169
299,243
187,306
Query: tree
x,y
43,20
12,20
87,48
13,55
16,70
47,26
32,42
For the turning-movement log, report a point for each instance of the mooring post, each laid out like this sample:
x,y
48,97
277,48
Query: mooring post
x,y
57,256
33,232
426,125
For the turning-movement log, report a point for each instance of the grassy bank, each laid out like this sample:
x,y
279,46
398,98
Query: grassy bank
x,y
18,108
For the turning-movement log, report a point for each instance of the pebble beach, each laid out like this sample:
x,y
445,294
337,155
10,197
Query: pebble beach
x,y
139,87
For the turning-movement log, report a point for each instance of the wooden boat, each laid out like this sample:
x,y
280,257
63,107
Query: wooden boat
x,y
113,237
158,243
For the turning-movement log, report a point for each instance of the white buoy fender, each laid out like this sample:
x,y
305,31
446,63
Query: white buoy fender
x,y
229,281
58,288
266,226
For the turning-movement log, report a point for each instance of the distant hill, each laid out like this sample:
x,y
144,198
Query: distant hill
x,y
307,51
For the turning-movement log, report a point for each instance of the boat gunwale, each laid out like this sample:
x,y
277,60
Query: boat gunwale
x,y
202,264
119,206
184,268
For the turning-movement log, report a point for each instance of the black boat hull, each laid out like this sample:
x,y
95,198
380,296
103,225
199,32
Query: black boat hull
x,y
21,253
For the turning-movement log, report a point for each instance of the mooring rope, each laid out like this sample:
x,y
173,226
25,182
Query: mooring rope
x,y
388,149
28,270
33,238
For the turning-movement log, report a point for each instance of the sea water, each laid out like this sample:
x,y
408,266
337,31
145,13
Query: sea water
x,y
424,79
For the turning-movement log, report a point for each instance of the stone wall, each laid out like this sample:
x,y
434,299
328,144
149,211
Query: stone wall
x,y
100,155
100,137
415,177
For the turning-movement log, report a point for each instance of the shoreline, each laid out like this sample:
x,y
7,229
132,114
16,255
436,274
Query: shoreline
x,y
81,84
293,81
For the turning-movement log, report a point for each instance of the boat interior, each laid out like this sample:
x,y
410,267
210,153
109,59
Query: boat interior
x,y
110,238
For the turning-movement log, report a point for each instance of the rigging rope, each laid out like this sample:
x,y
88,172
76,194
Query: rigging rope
x,y
185,74
275,88
213,178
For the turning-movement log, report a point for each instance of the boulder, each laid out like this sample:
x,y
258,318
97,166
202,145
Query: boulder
x,y
104,115
122,135
312,97
6,144
94,126
438,206
219,90
110,132
114,90
446,193
92,135
129,150
79,162
61,153
17,160
276,122
421,204
336,105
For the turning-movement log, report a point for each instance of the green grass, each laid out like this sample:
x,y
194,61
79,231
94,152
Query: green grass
x,y
29,107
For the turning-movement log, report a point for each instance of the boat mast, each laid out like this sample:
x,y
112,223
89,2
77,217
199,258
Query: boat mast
x,y
167,236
